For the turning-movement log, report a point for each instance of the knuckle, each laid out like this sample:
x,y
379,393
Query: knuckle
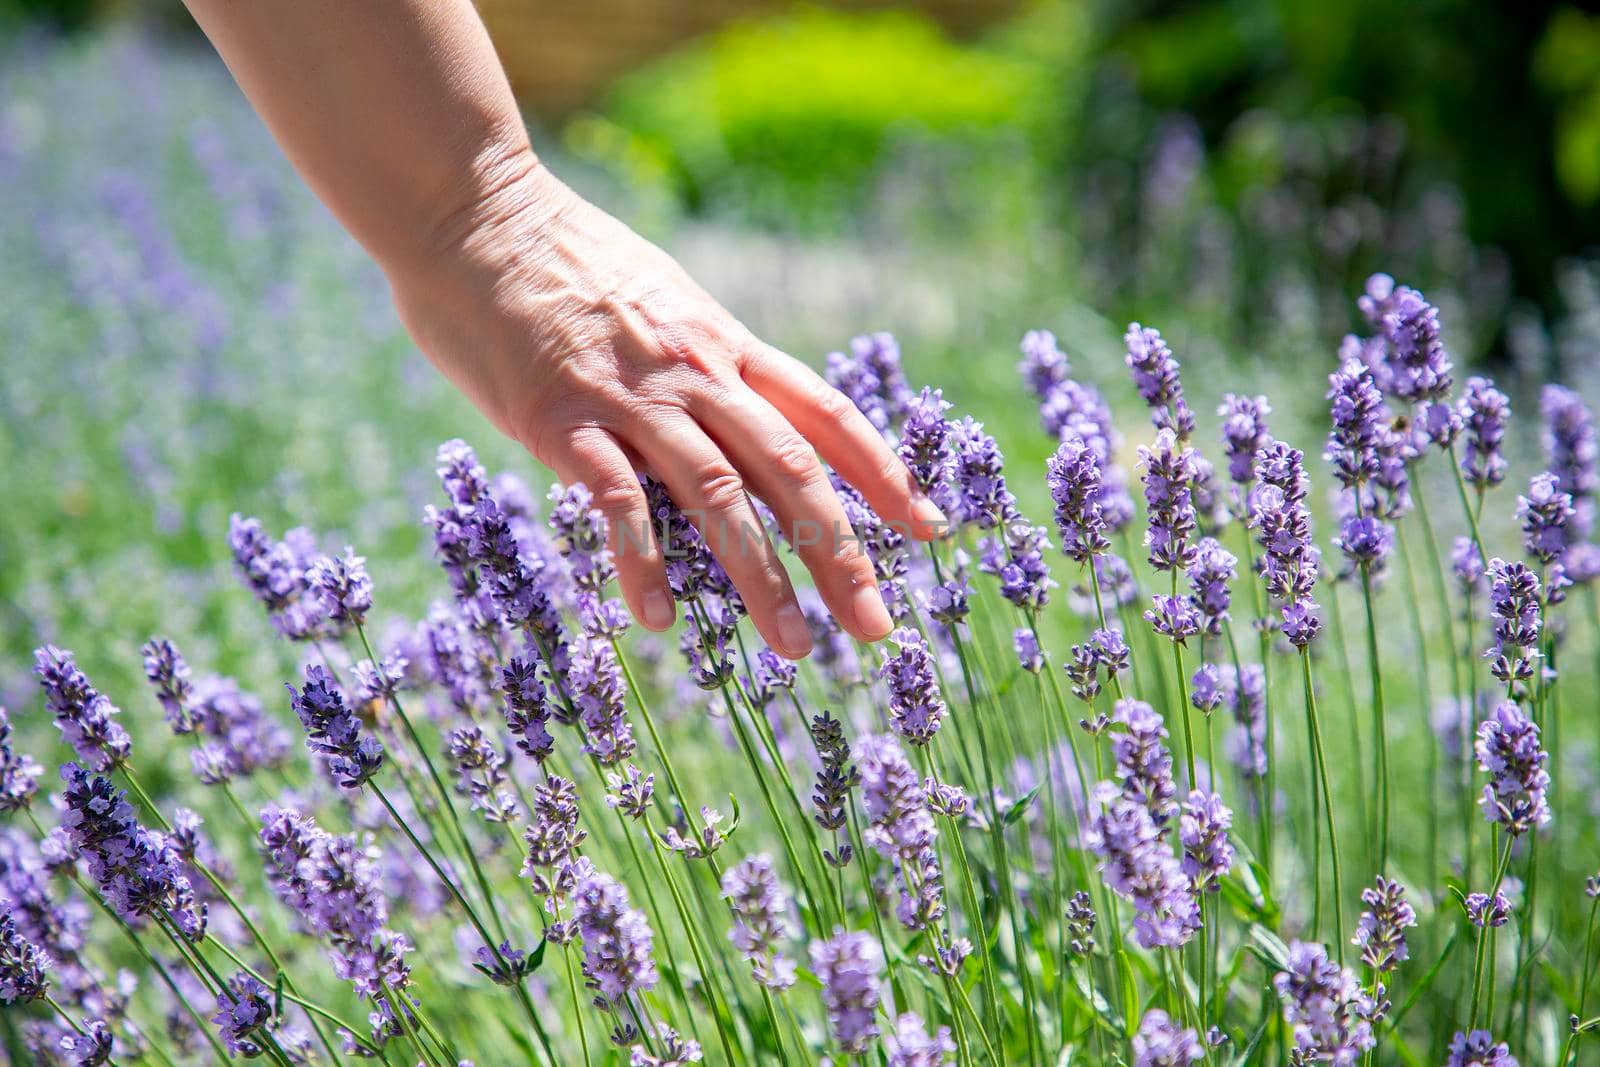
x,y
832,404
719,487
792,458
615,495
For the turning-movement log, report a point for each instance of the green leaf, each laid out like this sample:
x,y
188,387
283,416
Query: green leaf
x,y
1017,810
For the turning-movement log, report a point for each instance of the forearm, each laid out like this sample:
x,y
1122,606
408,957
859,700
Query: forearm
x,y
396,112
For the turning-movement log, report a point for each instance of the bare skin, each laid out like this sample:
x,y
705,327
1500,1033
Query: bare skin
x,y
576,337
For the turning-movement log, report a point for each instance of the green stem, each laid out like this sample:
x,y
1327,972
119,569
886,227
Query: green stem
x,y
1327,798
1380,735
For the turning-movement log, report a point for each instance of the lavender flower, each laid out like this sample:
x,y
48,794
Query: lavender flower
x,y
480,773
1105,651
19,773
1381,931
527,709
910,1046
872,377
1282,523
850,967
835,778
1246,696
763,920
276,572
1073,474
92,1047
1203,831
1479,1049
1484,411
1210,573
244,1014
1017,559
23,966
885,546
1155,375
552,864
1173,617
1509,752
343,586
1326,1006
1161,1042
1514,613
1026,645
1143,762
1244,433
1169,498
902,828
84,715
772,674
630,792
1207,688
617,941
1484,910
1357,414
978,471
916,707
1573,450
595,684
1365,542
927,448
1137,864
1545,513
164,666
581,532
1081,921
333,730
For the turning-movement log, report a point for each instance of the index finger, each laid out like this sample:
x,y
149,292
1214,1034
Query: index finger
x,y
850,444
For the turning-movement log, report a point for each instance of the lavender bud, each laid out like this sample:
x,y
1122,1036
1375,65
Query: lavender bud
x,y
1545,513
1479,1049
1509,752
916,708
1484,411
1155,375
85,717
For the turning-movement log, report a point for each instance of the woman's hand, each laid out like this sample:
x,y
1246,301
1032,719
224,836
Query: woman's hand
x,y
592,348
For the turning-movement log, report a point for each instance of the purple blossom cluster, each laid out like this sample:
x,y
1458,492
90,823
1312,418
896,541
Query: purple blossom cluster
x,y
617,941
1515,618
1381,931
1070,409
1074,477
1509,751
1244,433
1479,1049
1169,475
19,773
901,828
1484,412
333,730
1572,451
1137,862
1155,375
1545,512
916,707
1282,524
1326,1006
850,967
280,575
762,920
1162,1042
872,377
1203,831
85,716
1103,655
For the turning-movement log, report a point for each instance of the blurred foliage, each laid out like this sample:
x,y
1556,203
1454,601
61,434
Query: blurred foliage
x,y
789,117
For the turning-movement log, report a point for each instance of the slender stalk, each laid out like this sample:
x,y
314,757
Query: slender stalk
x,y
1327,796
1380,735
1583,988
1486,935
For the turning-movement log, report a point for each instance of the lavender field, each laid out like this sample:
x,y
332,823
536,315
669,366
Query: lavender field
x,y
1244,716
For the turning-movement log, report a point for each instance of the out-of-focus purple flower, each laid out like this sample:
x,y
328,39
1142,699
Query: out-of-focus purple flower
x,y
1137,863
1155,375
275,571
1161,1042
1466,562
1203,832
910,1045
333,730
1545,513
89,1048
945,798
1509,751
480,773
1484,910
1173,617
84,715
1073,475
581,532
23,965
1081,921
950,601
343,585
1484,411
902,828
1017,559
916,707
1381,931
1210,573
244,1014
884,544
1326,1006
850,967
166,669
1246,695
763,920
1479,1049
1244,433
1572,448
1169,498
978,470
1207,688
873,377
138,872
1026,645
1365,542
1514,613
617,941
595,685
1044,366
19,773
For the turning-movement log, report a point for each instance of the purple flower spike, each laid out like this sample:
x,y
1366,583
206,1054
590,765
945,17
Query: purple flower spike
x,y
1136,862
762,911
1381,932
916,707
333,730
1073,475
1357,413
244,1013
981,496
1210,573
581,532
1545,513
1244,433
1155,375
1479,1049
902,828
19,773
1484,411
617,941
927,448
1484,910
23,966
1026,645
850,967
873,378
1203,831
167,671
1143,762
911,1046
343,586
1572,447
1169,496
1326,1006
1173,617
1509,752
1365,542
84,715
1514,613
1161,1042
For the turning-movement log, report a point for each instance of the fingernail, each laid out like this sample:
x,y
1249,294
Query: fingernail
x,y
793,631
927,512
658,610
872,618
